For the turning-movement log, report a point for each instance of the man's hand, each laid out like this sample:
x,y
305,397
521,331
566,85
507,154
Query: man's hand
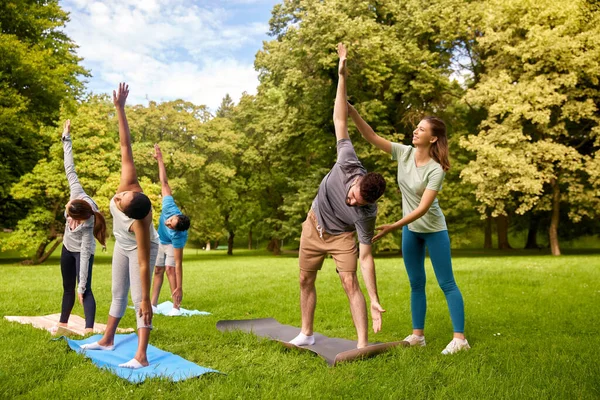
x,y
177,296
67,128
376,311
80,297
146,312
384,230
351,109
120,96
342,52
157,153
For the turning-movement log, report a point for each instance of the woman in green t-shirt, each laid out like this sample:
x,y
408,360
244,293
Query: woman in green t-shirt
x,y
421,170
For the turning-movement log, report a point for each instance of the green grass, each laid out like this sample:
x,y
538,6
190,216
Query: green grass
x,y
544,308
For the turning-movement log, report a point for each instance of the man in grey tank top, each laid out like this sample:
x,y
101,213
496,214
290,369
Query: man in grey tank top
x,y
345,203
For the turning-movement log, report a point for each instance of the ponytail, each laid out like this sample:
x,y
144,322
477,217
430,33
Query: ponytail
x,y
100,228
439,149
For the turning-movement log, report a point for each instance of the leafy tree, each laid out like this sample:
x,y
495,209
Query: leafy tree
x,y
540,92
39,71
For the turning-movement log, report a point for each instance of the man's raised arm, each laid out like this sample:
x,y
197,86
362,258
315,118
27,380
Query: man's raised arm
x,y
340,109
162,172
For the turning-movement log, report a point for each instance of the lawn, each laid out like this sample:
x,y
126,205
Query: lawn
x,y
532,321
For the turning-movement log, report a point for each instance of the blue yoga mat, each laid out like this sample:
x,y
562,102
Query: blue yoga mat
x,y
162,363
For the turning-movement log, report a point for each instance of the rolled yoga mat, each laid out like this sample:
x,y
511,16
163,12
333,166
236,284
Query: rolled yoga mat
x,y
332,350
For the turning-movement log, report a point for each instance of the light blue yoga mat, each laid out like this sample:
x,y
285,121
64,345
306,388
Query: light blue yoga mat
x,y
165,308
162,363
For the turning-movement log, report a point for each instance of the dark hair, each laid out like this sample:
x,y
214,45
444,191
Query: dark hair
x,y
183,223
439,149
372,186
139,207
81,210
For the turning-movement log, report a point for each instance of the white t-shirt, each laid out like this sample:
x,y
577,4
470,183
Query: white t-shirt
x,y
121,224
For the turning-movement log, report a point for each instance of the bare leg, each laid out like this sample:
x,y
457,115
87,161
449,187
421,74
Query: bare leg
x,y
109,334
157,284
172,280
308,300
358,307
143,338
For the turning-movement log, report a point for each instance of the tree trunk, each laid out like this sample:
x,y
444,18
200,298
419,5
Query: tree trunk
x,y
532,234
274,246
230,243
487,241
208,245
250,240
553,230
502,225
41,254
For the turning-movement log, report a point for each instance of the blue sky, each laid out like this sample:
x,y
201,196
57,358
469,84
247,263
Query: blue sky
x,y
169,49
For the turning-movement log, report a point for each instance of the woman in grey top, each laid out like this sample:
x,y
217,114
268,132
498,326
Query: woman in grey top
x,y
83,223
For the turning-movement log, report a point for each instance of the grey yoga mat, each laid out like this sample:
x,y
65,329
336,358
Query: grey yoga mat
x,y
332,350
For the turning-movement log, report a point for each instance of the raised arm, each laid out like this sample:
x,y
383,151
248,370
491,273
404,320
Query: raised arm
x,y
340,109
367,267
367,132
141,229
75,187
162,172
129,179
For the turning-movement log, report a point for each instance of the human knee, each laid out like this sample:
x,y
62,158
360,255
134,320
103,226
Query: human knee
x,y
417,284
307,279
171,272
350,282
448,286
159,271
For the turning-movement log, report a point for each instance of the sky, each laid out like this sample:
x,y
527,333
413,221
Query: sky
x,y
170,49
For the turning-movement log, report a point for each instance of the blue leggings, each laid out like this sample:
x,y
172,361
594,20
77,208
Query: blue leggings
x,y
413,252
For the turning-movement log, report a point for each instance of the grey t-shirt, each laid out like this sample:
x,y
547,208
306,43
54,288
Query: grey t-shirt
x,y
333,214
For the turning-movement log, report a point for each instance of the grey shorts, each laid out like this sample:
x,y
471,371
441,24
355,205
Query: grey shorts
x,y
166,256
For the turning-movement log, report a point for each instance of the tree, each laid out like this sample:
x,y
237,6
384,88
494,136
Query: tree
x,y
399,71
39,72
542,128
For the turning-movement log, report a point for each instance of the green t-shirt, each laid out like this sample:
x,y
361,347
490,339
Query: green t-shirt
x,y
413,181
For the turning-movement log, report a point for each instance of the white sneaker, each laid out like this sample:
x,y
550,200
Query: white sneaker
x,y
175,312
456,345
415,340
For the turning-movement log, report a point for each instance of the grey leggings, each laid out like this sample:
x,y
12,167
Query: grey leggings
x,y
126,274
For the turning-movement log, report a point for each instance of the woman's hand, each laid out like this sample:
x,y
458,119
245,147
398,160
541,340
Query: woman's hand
x,y
157,153
67,128
384,230
120,96
146,312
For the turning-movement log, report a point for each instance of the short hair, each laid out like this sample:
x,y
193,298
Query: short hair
x,y
139,206
183,223
372,186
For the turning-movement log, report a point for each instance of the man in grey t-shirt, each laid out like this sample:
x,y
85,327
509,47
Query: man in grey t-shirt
x,y
345,203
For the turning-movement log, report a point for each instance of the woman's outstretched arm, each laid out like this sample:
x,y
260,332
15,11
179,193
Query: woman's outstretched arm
x,y
129,179
367,132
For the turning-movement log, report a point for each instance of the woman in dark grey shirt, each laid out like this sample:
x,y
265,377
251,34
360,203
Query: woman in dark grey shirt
x,y
84,222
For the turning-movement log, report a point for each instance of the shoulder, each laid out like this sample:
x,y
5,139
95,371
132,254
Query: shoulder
x,y
399,149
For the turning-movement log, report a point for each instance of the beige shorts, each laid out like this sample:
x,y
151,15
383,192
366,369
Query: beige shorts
x,y
166,256
315,245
